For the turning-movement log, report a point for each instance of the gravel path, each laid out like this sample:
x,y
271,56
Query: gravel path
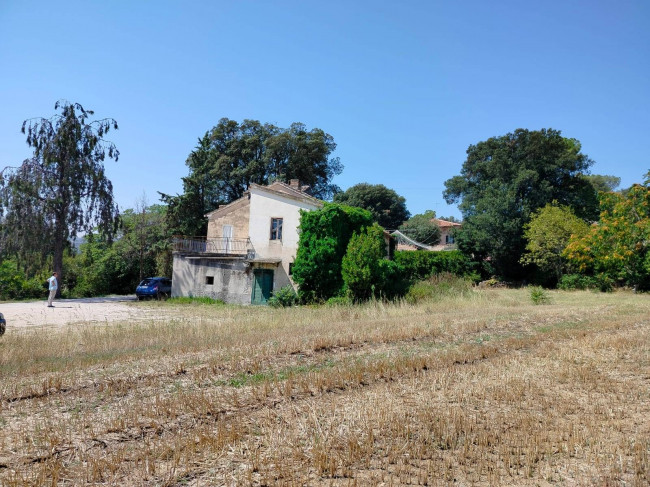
x,y
72,311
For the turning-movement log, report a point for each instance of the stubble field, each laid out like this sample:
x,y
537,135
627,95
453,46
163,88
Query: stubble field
x,y
480,389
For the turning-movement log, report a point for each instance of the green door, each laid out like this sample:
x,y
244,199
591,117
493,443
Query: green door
x,y
262,286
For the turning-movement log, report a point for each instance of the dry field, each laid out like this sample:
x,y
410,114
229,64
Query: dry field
x,y
482,389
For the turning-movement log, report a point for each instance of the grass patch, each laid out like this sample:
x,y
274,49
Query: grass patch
x,y
184,300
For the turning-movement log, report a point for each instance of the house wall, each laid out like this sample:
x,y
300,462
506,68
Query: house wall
x,y
263,207
233,279
237,217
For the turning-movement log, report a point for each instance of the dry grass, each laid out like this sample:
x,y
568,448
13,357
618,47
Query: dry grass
x,y
486,389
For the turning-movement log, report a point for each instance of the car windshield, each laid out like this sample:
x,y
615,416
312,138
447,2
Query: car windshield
x,y
147,282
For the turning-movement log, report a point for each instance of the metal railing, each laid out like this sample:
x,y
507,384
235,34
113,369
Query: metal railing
x,y
214,245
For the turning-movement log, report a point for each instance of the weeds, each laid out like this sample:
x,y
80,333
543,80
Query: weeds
x,y
539,296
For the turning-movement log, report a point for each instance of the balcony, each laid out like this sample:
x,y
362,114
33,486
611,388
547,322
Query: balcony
x,y
214,247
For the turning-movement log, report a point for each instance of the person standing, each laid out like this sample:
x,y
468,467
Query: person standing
x,y
54,285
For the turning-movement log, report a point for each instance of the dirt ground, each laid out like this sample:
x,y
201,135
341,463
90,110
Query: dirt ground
x,y
32,314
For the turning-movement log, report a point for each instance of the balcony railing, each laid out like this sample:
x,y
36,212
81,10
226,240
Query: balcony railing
x,y
214,245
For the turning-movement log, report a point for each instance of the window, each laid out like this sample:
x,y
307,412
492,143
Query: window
x,y
449,239
209,280
276,228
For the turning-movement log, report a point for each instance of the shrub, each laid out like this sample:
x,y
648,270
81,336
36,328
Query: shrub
x,y
437,287
539,296
283,298
363,275
420,265
324,237
339,301
570,282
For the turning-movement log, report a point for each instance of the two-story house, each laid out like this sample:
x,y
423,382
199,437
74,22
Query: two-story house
x,y
249,248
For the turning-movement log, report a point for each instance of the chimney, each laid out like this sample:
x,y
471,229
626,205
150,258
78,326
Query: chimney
x,y
295,184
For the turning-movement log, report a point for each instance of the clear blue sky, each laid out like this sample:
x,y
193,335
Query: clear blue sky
x,y
403,87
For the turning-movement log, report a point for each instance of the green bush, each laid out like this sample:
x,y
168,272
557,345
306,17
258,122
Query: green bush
x,y
361,270
420,265
324,237
570,282
437,287
339,301
283,298
15,285
539,296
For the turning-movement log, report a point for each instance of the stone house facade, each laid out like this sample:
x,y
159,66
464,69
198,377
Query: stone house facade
x,y
249,247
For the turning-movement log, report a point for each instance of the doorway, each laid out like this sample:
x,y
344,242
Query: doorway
x,y
262,286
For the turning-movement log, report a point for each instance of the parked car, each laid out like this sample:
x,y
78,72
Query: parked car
x,y
154,287
3,324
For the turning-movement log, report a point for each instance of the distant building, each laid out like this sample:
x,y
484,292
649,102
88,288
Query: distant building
x,y
446,242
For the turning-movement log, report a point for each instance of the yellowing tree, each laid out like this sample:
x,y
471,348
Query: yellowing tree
x,y
617,247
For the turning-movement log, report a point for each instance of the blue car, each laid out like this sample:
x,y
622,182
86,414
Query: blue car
x,y
154,287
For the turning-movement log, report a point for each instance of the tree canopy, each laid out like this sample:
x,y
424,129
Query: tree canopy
x,y
422,228
62,189
232,155
547,234
603,183
617,248
504,180
387,207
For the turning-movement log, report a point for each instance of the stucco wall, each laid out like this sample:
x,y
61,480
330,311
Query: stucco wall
x,y
232,279
263,207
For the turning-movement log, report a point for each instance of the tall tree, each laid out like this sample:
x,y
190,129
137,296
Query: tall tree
x,y
387,207
547,234
63,188
232,155
504,180
603,183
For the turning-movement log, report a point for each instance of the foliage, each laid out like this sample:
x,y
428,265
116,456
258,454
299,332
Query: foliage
x,y
366,271
419,265
283,298
387,207
324,237
15,285
504,180
102,267
438,286
422,228
617,247
603,183
339,301
63,188
570,282
539,296
547,234
232,155
452,219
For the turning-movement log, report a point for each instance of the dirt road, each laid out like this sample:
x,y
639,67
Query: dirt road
x,y
73,311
